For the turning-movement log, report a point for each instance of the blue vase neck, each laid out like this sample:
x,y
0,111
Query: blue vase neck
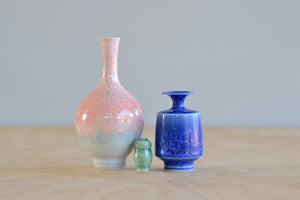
x,y
178,102
178,98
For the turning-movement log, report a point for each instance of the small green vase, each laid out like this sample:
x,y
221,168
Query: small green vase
x,y
142,154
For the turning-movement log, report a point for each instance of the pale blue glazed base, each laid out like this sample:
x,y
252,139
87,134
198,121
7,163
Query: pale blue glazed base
x,y
109,162
110,151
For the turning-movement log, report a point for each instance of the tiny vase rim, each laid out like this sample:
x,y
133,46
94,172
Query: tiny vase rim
x,y
175,92
142,143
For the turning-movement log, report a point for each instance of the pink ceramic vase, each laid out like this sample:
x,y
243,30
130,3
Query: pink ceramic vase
x,y
109,119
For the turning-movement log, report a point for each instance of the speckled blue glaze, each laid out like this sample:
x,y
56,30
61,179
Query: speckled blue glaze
x,y
178,134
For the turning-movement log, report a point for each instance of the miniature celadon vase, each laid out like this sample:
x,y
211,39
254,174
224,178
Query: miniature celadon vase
x,y
178,134
109,119
142,154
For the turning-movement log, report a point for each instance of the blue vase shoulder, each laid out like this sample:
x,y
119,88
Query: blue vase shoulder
x,y
182,111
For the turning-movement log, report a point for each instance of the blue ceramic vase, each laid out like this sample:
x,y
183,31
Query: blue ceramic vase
x,y
178,134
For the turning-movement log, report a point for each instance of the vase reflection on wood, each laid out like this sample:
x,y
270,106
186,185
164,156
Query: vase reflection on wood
x,y
178,134
109,119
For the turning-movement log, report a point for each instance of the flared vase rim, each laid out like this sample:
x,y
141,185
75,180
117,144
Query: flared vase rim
x,y
175,92
103,38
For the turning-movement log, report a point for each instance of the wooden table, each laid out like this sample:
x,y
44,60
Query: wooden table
x,y
50,163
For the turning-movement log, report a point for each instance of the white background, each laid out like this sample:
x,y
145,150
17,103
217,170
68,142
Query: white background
x,y
242,58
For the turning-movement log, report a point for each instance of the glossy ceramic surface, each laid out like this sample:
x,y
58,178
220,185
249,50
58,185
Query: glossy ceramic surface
x,y
109,119
178,136
142,154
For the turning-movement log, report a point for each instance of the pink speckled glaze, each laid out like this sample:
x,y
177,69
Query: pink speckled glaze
x,y
109,113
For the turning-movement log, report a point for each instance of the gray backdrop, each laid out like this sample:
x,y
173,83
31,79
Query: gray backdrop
x,y
240,57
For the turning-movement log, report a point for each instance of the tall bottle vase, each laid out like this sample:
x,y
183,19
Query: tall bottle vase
x,y
109,119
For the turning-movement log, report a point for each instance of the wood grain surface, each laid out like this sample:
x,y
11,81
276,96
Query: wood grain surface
x,y
50,163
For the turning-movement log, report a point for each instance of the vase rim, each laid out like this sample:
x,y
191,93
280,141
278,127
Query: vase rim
x,y
142,143
109,38
178,92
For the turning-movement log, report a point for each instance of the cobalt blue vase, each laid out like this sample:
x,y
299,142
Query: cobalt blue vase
x,y
178,134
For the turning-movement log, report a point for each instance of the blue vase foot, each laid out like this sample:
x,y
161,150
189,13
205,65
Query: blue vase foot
x,y
179,166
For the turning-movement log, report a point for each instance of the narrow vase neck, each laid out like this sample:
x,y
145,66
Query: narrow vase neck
x,y
178,98
109,48
178,102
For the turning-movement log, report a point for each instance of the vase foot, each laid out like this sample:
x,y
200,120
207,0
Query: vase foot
x,y
109,163
143,169
179,166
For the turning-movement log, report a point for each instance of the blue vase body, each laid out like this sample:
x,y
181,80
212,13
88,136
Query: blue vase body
x,y
178,134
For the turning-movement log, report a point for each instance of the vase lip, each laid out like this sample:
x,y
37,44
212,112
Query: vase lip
x,y
142,143
175,92
109,38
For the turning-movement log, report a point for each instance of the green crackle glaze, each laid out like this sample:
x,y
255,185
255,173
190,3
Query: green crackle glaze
x,y
142,154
